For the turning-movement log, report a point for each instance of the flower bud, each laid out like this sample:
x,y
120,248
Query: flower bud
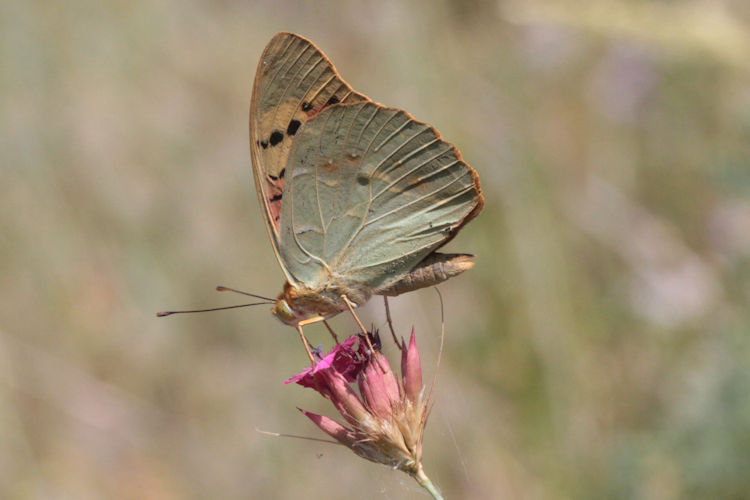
x,y
411,370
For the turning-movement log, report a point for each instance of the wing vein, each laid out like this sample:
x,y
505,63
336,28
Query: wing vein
x,y
392,135
364,155
320,89
283,56
416,200
291,81
400,160
414,169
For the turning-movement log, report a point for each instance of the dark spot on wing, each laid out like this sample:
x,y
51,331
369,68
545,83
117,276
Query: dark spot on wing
x,y
276,137
293,126
263,144
306,106
273,177
363,180
333,100
281,174
276,197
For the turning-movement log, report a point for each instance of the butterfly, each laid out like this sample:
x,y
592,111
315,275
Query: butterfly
x,y
357,196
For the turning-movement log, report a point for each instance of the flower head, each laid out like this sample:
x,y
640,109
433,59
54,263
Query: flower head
x,y
386,416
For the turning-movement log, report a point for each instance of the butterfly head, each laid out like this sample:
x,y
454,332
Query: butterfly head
x,y
297,306
284,312
290,306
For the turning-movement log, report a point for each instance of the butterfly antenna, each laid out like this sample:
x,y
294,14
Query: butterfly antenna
x,y
227,289
168,313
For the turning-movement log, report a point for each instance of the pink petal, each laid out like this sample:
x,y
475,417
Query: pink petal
x,y
373,390
389,378
328,360
347,401
331,427
342,351
299,377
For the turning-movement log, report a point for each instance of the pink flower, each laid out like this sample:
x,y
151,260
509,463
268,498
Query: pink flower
x,y
386,416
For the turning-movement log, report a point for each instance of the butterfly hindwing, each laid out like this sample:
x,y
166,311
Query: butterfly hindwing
x,y
370,193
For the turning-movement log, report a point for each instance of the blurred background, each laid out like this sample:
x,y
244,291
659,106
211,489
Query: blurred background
x,y
599,349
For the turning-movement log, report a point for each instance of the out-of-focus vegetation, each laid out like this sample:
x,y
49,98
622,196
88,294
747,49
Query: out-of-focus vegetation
x,y
599,349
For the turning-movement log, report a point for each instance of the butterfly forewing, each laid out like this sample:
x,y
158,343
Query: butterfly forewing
x,y
370,192
293,83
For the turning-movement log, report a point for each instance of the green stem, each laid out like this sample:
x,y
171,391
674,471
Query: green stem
x,y
425,483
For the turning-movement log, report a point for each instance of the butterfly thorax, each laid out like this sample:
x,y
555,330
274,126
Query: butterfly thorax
x,y
298,303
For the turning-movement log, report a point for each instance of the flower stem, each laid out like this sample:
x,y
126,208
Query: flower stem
x,y
425,483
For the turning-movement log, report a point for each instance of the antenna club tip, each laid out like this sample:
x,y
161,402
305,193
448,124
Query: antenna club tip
x,y
221,288
161,314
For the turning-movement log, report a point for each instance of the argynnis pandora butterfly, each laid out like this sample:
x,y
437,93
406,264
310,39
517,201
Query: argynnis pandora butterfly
x,y
357,196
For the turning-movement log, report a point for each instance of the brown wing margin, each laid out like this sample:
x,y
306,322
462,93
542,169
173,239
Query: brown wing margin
x,y
294,81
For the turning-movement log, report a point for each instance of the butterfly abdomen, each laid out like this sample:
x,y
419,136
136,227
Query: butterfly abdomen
x,y
435,268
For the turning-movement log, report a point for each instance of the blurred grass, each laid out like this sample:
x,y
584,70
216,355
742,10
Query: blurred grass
x,y
598,350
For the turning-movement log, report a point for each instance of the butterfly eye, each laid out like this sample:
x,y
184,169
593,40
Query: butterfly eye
x,y
285,313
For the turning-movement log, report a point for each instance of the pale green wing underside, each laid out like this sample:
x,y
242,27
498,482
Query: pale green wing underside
x,y
370,192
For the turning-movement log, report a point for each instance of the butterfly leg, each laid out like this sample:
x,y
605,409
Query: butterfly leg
x,y
317,319
359,323
390,323
330,330
306,344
